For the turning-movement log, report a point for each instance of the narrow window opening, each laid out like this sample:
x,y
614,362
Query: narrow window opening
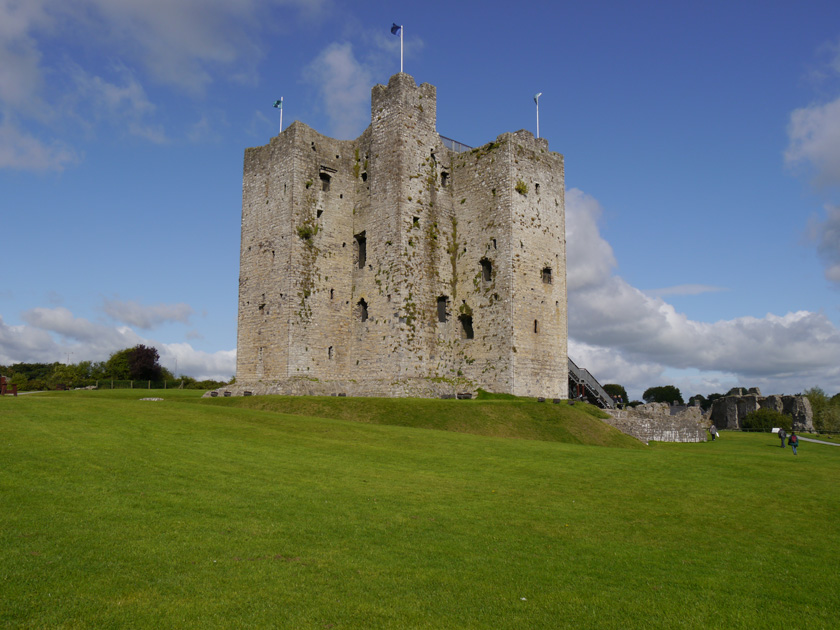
x,y
486,270
364,176
546,275
332,293
442,304
536,326
494,243
319,213
330,353
361,250
362,310
444,179
325,181
416,221
466,327
537,188
313,147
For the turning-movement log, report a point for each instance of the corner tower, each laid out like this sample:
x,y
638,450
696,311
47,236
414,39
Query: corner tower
x,y
395,265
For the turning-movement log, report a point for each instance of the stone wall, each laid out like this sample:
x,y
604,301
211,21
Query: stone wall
x,y
390,265
654,422
729,412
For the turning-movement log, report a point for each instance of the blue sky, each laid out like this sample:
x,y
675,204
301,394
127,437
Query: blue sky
x,y
702,147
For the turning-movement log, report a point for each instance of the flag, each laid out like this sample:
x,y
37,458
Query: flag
x,y
279,104
395,29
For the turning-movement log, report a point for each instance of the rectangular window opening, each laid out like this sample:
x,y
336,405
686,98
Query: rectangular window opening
x,y
546,275
466,327
361,249
325,181
442,304
486,270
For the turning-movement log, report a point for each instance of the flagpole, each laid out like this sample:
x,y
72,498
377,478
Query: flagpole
x,y
281,119
401,48
537,101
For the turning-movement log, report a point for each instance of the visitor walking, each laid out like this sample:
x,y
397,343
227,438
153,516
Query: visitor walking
x,y
782,436
713,431
793,441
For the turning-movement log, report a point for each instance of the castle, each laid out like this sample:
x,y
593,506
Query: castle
x,y
398,265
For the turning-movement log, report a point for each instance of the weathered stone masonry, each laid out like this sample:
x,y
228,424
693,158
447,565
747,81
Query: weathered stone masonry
x,y
391,265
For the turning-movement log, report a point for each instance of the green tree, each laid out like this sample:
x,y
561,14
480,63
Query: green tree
x,y
663,393
826,410
767,419
117,366
614,389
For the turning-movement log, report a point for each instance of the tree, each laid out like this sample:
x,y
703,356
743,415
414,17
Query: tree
x,y
826,410
766,419
663,393
143,363
698,399
117,367
139,363
614,390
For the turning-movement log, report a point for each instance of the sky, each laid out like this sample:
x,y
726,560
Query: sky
x,y
701,144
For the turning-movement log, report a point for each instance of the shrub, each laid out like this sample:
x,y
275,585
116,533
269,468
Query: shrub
x,y
767,419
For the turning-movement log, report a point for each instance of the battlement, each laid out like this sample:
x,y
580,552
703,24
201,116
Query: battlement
x,y
392,265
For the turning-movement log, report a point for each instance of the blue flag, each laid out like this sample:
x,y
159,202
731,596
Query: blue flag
x,y
395,29
279,104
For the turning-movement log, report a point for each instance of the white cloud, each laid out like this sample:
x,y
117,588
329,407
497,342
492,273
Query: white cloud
x,y
826,235
182,358
185,44
631,336
344,88
593,257
814,135
21,150
124,105
147,317
51,335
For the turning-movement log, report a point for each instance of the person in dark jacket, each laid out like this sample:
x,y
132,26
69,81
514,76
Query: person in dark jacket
x,y
782,436
793,441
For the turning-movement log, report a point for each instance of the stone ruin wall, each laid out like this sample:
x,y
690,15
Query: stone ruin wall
x,y
430,224
654,422
729,412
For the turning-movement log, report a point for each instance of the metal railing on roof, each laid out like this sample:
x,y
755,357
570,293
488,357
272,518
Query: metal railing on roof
x,y
454,145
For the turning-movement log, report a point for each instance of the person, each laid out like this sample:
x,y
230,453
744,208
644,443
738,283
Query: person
x,y
713,431
782,436
793,441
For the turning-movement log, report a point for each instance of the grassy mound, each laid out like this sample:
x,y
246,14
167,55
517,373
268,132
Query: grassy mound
x,y
508,416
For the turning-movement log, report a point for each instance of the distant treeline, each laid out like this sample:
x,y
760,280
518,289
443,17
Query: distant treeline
x,y
138,364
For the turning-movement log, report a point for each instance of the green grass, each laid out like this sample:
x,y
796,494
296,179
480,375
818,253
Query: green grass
x,y
490,415
197,513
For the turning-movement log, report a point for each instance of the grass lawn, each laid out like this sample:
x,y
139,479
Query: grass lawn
x,y
229,513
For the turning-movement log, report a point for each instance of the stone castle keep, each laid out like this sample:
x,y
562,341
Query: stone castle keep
x,y
391,265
